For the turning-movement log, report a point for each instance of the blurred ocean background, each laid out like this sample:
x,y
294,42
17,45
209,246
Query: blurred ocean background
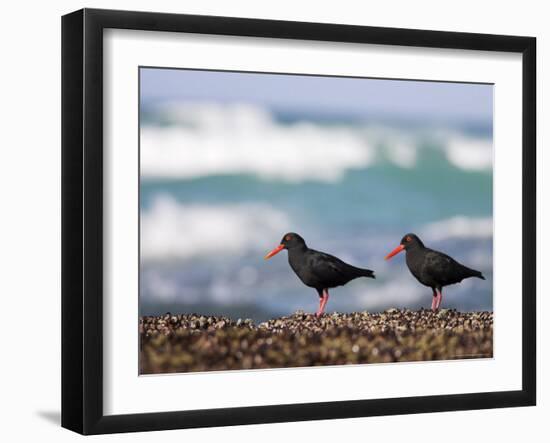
x,y
232,161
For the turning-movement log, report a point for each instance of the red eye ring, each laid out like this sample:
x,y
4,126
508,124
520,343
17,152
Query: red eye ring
x,y
408,238
288,237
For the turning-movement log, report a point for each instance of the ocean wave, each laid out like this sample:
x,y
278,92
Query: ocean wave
x,y
173,230
239,139
201,139
470,154
459,227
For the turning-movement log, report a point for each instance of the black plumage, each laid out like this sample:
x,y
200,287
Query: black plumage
x,y
317,269
432,268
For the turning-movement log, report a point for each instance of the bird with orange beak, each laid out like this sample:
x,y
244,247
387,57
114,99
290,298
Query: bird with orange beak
x,y
316,269
432,268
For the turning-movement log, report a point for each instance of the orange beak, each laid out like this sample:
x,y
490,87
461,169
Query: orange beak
x,y
394,252
274,252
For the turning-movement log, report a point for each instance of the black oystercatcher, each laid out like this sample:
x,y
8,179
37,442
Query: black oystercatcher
x,y
317,269
432,268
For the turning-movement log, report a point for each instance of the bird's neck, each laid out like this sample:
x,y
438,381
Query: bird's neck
x,y
297,250
415,250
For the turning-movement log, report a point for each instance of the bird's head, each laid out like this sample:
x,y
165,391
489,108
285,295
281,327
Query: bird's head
x,y
289,241
408,242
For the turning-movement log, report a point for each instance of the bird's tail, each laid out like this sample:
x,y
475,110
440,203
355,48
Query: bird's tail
x,y
365,273
474,273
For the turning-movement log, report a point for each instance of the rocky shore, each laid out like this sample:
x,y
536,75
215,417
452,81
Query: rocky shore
x,y
189,343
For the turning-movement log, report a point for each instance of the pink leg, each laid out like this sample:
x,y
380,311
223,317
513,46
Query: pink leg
x,y
325,301
319,310
322,303
439,299
434,300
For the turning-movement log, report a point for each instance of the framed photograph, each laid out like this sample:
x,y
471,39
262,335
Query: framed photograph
x,y
281,221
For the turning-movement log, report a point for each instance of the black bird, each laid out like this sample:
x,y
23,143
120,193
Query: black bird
x,y
432,268
317,269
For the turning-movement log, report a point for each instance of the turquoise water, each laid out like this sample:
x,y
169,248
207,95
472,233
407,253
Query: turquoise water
x,y
351,188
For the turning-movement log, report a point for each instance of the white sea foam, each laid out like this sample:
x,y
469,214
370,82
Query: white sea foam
x,y
211,139
469,154
173,230
402,153
459,227
236,139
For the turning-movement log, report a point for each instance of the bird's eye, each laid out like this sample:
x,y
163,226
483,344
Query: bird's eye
x,y
288,237
408,239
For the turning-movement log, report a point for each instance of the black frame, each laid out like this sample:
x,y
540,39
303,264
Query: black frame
x,y
82,220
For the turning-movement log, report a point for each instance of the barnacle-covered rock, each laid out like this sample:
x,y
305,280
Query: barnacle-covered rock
x,y
185,343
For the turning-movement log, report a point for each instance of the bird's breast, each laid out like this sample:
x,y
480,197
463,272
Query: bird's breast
x,y
416,263
298,263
